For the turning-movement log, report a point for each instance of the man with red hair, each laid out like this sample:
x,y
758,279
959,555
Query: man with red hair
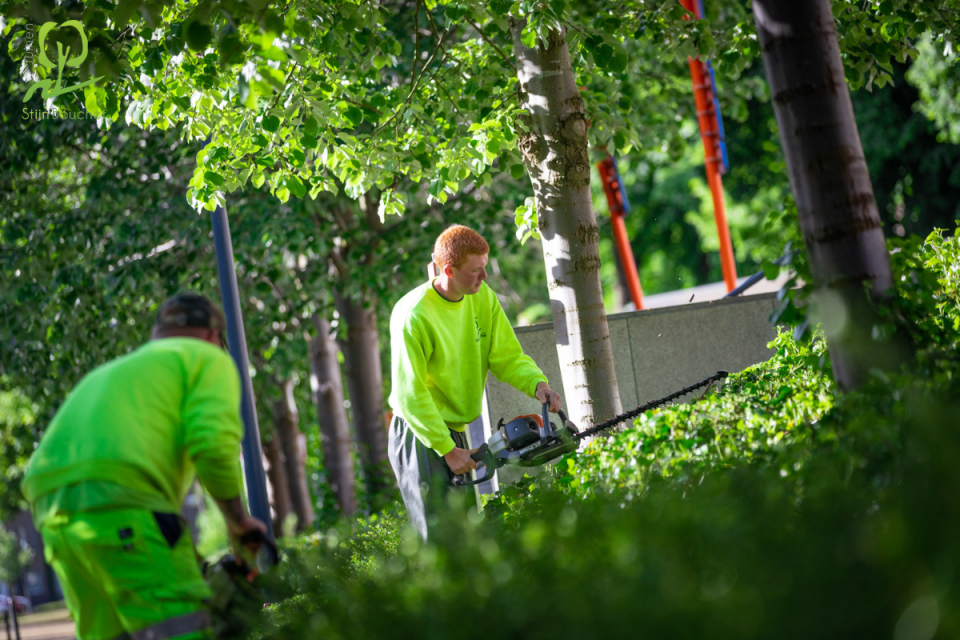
x,y
444,337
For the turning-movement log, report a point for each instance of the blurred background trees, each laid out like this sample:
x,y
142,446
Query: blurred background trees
x,y
97,230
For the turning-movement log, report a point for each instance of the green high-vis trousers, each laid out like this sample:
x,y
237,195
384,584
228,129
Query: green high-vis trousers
x,y
123,579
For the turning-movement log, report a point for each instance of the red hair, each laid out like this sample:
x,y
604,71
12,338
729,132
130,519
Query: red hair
x,y
455,244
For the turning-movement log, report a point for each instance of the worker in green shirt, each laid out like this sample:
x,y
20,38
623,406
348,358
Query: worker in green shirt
x,y
107,481
444,337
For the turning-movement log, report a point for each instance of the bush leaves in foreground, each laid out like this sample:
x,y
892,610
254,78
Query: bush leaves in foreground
x,y
774,509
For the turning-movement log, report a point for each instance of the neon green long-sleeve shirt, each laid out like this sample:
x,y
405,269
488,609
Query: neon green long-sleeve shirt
x,y
137,430
440,354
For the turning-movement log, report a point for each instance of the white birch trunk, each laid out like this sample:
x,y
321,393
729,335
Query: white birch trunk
x,y
554,148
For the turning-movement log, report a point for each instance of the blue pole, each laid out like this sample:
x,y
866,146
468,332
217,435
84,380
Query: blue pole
x,y
253,473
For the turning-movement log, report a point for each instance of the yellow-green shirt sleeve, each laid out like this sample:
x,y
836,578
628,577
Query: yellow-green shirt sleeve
x,y
507,360
213,429
416,405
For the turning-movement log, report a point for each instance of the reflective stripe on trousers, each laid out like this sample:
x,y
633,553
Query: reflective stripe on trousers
x,y
171,628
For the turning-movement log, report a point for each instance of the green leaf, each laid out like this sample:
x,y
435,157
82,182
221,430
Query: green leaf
x,y
618,64
271,123
529,36
231,49
619,141
213,178
706,44
95,99
770,271
296,186
135,56
604,57
354,116
198,36
310,126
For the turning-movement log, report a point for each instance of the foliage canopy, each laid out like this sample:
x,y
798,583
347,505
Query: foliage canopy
x,y
321,96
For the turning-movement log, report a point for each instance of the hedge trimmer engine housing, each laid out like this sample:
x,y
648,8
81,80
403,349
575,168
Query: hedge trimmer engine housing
x,y
525,441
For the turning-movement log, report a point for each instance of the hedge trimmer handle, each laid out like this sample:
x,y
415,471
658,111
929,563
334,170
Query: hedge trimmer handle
x,y
258,537
484,459
546,430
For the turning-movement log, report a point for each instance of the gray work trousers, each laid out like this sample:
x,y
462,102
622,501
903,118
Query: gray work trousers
x,y
422,474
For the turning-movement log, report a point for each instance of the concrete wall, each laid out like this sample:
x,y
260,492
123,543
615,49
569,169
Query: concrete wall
x,y
655,352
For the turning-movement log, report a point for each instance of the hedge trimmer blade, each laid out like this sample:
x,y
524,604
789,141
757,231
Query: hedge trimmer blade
x,y
633,413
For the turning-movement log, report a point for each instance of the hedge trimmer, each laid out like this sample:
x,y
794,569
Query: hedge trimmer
x,y
238,593
532,440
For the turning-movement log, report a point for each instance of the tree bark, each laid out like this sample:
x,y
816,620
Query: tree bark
x,y
276,473
828,175
361,354
334,427
554,149
287,422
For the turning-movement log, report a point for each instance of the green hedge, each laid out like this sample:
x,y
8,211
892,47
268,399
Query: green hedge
x,y
774,508
758,414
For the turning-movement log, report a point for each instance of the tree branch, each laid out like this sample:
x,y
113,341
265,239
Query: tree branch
x,y
362,104
490,42
400,110
433,25
416,46
279,294
338,262
446,93
280,92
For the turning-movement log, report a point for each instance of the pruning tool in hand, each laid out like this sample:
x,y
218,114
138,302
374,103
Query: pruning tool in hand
x,y
532,440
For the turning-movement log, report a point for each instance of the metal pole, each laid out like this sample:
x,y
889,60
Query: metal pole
x,y
254,475
619,206
757,277
626,258
708,119
13,612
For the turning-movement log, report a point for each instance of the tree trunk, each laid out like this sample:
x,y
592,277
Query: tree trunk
x,y
554,148
278,482
829,179
334,428
361,354
287,422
